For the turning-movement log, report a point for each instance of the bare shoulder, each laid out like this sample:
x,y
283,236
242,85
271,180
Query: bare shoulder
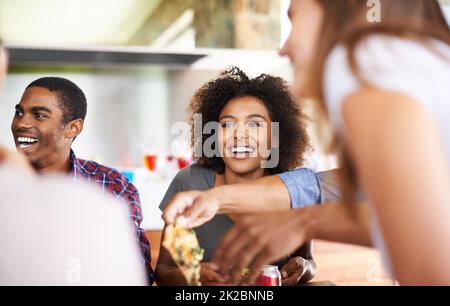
x,y
381,114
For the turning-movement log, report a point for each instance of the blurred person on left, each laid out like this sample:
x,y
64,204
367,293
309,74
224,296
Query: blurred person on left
x,y
7,157
51,239
47,120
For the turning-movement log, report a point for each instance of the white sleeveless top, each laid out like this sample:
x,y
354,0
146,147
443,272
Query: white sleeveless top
x,y
394,64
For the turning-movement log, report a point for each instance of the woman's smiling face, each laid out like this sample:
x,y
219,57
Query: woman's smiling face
x,y
244,134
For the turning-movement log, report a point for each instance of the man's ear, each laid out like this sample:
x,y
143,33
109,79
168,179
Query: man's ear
x,y
74,128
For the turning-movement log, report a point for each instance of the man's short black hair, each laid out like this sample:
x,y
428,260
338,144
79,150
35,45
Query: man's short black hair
x,y
71,98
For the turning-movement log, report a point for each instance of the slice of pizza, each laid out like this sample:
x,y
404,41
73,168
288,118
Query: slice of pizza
x,y
183,245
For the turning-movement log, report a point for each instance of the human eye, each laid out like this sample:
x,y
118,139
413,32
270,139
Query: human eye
x,y
18,113
228,124
254,124
40,116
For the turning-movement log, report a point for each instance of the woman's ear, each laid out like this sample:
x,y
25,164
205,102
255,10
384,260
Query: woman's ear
x,y
74,128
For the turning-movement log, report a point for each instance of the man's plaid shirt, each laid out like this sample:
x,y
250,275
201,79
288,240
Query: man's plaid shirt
x,y
111,181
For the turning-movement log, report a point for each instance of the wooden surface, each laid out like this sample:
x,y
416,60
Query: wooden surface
x,y
155,240
349,265
336,263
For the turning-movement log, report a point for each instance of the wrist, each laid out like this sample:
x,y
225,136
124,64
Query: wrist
x,y
307,223
220,197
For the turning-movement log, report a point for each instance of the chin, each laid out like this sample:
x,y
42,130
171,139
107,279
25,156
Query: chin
x,y
242,169
32,159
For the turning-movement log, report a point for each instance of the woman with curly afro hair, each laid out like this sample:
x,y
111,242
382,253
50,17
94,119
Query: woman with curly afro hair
x,y
242,129
233,92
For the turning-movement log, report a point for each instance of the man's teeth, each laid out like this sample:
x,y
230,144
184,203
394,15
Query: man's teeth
x,y
25,142
27,139
240,150
24,146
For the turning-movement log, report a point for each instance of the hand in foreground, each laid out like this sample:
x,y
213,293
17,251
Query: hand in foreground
x,y
191,208
295,269
258,240
209,275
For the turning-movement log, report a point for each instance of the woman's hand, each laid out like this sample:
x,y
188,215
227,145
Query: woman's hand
x,y
297,270
259,239
191,208
209,276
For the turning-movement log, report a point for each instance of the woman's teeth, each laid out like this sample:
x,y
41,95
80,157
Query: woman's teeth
x,y
242,150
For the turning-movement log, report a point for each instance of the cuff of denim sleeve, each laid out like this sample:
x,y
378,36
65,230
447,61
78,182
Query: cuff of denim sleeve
x,y
303,186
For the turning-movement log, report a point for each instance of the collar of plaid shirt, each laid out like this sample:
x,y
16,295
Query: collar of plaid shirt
x,y
83,168
109,180
75,166
94,172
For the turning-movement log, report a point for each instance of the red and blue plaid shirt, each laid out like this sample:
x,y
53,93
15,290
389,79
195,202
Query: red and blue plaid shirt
x,y
113,182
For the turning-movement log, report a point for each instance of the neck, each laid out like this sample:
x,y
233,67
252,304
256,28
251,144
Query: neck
x,y
231,177
54,165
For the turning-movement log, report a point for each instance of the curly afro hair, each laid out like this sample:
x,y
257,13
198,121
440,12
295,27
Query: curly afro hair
x,y
211,98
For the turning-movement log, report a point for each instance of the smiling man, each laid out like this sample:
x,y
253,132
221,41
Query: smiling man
x,y
47,120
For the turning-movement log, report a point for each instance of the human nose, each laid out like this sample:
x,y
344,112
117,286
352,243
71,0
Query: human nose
x,y
284,49
23,122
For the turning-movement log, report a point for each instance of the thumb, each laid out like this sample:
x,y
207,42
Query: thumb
x,y
178,205
292,266
198,213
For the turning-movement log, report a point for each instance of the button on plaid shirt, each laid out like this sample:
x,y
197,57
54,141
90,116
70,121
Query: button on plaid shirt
x,y
111,181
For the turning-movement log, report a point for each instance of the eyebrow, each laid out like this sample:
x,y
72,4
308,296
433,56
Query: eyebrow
x,y
34,109
41,109
248,117
256,116
227,117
